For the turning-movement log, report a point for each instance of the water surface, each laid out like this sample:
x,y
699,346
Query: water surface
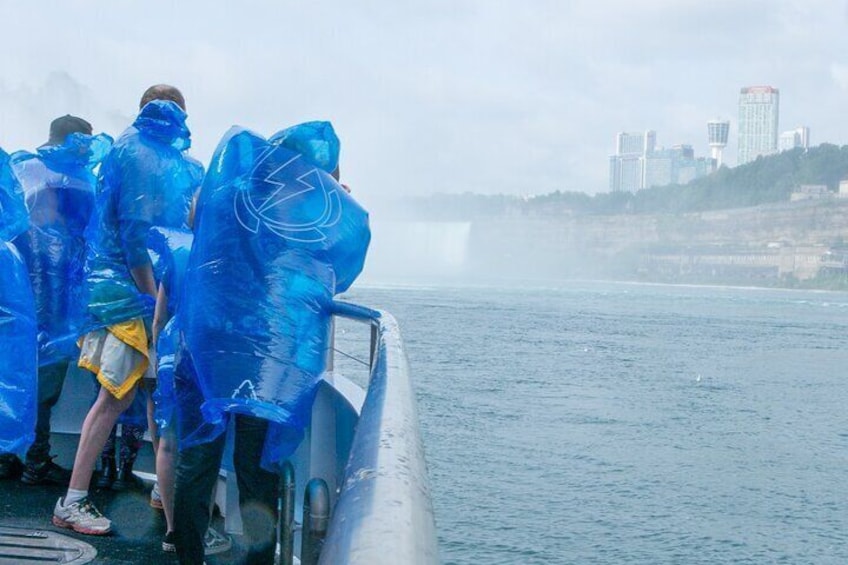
x,y
616,423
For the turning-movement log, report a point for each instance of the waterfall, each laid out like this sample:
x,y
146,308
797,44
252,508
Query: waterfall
x,y
417,248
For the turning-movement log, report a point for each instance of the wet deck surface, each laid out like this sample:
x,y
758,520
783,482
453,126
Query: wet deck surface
x,y
138,528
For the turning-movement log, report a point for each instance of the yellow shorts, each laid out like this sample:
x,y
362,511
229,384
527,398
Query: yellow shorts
x,y
119,355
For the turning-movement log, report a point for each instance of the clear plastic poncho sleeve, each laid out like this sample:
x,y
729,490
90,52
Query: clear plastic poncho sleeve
x,y
59,184
18,328
275,238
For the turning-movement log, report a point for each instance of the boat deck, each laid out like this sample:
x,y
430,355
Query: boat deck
x,y
138,528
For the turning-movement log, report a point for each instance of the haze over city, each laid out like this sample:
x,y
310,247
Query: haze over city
x,y
476,96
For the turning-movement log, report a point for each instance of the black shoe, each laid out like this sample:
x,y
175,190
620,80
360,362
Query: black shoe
x,y
168,545
45,472
10,466
108,473
126,480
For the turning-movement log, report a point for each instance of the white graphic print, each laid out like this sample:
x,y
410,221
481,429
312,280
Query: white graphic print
x,y
245,391
252,211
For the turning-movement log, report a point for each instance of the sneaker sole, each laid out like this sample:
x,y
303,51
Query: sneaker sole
x,y
79,529
169,547
215,550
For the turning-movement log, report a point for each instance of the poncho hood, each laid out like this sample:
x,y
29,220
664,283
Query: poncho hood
x,y
164,121
316,141
78,150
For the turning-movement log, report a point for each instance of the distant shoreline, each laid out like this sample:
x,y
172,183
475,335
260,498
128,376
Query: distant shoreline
x,y
542,284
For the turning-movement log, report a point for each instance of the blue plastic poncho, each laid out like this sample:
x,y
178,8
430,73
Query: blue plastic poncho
x,y
146,180
18,349
275,238
172,248
58,184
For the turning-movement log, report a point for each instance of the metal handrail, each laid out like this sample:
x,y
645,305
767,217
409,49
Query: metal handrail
x,y
384,512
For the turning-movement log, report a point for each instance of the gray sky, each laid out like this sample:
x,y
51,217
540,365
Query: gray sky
x,y
489,96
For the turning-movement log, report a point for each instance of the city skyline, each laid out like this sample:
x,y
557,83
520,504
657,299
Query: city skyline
x,y
453,96
638,162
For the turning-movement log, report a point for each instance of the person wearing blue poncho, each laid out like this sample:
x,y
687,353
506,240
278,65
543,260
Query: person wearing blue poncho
x,y
276,237
18,346
146,180
176,399
58,184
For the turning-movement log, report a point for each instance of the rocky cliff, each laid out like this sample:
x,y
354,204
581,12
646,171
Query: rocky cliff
x,y
780,241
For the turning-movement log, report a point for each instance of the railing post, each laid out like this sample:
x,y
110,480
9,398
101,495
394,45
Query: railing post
x,y
316,519
285,515
375,335
330,355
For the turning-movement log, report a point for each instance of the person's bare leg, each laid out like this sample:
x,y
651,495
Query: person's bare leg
x,y
151,425
95,431
165,474
164,452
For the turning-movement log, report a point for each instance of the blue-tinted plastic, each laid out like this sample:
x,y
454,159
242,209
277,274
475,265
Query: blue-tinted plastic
x,y
275,238
18,349
58,184
314,141
146,180
172,247
14,219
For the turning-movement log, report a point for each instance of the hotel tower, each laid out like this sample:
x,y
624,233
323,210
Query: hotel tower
x,y
758,115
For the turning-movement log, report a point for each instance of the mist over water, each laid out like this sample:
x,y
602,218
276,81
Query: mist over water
x,y
619,423
407,249
29,109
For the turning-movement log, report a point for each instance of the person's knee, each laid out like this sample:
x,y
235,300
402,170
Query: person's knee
x,y
168,445
116,406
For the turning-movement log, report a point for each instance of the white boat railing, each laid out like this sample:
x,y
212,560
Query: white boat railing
x,y
384,513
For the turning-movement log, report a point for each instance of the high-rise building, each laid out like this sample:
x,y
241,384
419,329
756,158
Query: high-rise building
x,y
676,165
627,166
635,143
798,137
718,132
759,107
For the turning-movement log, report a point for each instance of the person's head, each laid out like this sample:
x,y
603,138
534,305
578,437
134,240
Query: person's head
x,y
316,141
162,92
62,127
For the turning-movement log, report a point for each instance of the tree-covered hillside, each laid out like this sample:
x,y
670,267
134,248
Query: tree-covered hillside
x,y
767,180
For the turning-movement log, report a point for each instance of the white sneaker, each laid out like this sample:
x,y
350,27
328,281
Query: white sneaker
x,y
81,516
214,542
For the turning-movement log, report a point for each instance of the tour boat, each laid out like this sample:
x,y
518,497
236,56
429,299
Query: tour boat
x,y
356,490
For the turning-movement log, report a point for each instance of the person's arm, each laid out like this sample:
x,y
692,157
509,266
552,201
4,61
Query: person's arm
x,y
160,314
143,277
337,175
136,207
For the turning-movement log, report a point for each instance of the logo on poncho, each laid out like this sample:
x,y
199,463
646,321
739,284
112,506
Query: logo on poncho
x,y
244,391
253,211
